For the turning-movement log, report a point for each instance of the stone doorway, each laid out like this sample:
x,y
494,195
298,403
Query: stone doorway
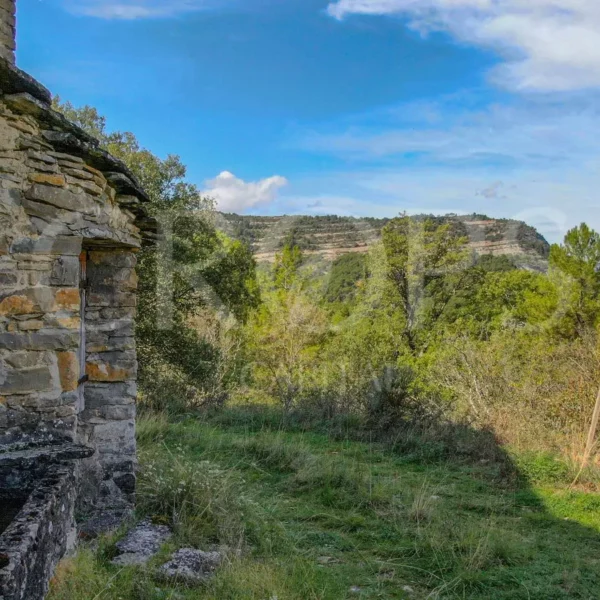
x,y
108,370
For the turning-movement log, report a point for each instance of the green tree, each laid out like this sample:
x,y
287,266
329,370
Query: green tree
x,y
578,258
206,268
418,253
287,263
287,330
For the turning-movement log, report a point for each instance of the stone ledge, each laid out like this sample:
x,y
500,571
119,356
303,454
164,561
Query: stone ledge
x,y
42,452
64,135
13,80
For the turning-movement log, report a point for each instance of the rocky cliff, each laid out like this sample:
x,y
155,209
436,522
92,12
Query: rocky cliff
x,y
332,236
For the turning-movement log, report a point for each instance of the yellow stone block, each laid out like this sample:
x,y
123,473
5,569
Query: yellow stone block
x,y
48,178
17,305
67,299
68,370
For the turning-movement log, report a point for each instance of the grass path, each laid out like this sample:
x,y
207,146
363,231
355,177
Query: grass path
x,y
304,517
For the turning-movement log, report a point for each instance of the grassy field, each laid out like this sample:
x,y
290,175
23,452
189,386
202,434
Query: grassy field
x,y
304,516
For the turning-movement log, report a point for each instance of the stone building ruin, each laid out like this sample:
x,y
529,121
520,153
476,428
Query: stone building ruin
x,y
72,219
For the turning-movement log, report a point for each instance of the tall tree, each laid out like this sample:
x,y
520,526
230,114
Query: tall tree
x,y
579,259
418,253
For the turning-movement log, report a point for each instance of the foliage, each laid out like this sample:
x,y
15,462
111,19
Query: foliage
x,y
579,260
419,254
419,331
285,330
347,274
195,268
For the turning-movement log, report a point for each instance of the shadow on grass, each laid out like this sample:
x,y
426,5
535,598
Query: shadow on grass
x,y
541,542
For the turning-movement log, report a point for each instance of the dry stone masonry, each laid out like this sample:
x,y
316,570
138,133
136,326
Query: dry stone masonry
x,y
7,29
72,220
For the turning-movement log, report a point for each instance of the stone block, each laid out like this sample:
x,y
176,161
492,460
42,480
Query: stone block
x,y
99,394
66,322
48,178
77,173
112,328
117,413
65,271
23,360
68,370
50,339
61,156
41,210
111,298
109,344
39,299
56,245
60,198
67,299
114,259
88,186
43,167
41,157
18,305
103,371
31,325
27,381
115,437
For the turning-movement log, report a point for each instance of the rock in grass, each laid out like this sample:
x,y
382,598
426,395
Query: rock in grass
x,y
191,566
104,522
141,544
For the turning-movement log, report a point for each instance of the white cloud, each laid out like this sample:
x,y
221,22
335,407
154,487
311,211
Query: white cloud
x,y
135,9
236,195
548,45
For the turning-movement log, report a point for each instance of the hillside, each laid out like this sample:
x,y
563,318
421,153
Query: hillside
x,y
332,236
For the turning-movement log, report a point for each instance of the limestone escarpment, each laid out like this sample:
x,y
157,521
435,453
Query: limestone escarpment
x,y
328,237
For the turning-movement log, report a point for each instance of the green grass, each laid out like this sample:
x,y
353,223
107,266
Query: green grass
x,y
303,516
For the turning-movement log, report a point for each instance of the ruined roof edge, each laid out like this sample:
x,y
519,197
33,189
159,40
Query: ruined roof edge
x,y
27,96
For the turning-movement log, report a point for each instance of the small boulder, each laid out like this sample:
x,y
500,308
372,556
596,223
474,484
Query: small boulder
x,y
141,544
104,522
191,566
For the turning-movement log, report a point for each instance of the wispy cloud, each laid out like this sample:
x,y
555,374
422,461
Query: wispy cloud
x,y
548,45
535,159
136,9
540,132
551,202
236,195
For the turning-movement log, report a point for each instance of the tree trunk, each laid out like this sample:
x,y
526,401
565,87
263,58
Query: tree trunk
x,y
592,432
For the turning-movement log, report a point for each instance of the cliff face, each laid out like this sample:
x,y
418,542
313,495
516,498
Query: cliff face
x,y
331,236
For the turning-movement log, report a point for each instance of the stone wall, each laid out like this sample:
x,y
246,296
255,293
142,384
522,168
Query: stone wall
x,y
7,29
108,420
61,196
44,527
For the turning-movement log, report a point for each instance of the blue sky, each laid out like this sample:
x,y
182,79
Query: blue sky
x,y
360,107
